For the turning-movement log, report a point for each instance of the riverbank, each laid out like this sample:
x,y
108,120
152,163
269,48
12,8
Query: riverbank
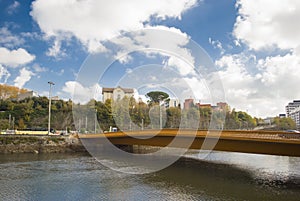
x,y
40,144
56,144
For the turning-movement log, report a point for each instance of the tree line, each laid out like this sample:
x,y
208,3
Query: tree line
x,y
125,114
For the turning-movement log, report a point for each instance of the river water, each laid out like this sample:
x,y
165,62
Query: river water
x,y
221,176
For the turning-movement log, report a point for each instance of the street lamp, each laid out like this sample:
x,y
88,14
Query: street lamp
x,y
49,118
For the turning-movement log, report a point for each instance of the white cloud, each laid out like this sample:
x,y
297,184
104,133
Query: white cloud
x,y
13,7
217,45
180,65
7,39
264,26
264,92
14,58
166,42
266,23
4,74
55,50
39,69
282,72
80,93
61,72
95,21
200,89
24,76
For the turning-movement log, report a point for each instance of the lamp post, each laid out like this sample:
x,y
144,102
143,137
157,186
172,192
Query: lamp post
x,y
49,118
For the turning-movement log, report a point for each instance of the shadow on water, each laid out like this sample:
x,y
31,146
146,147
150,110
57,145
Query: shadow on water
x,y
224,182
80,177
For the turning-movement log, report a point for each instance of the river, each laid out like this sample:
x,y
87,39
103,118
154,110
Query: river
x,y
221,176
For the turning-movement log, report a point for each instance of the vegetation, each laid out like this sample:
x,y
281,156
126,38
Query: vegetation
x,y
33,113
284,123
156,96
125,114
7,91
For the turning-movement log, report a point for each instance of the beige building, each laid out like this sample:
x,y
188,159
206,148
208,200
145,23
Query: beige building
x,y
116,93
28,94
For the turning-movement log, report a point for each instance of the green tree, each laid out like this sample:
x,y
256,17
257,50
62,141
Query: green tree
x,y
104,114
284,123
156,96
173,117
4,124
205,117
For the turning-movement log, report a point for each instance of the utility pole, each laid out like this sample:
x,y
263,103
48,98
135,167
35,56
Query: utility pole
x,y
95,121
130,125
9,121
49,118
160,112
13,123
160,116
79,125
86,124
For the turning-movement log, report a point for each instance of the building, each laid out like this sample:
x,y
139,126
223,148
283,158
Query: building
x,y
295,115
55,98
292,106
25,95
173,103
282,115
188,103
116,93
223,106
203,106
268,120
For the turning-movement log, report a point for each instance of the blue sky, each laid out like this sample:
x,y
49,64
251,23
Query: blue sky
x,y
255,47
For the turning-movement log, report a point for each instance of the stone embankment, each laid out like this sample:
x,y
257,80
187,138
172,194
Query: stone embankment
x,y
40,144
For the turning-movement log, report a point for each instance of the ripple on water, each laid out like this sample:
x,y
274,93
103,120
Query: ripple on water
x,y
82,178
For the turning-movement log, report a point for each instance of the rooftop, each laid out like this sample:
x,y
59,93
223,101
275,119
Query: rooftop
x,y
126,90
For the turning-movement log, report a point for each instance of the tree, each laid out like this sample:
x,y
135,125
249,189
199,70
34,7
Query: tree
x,y
7,91
205,118
173,117
4,124
104,114
284,123
120,111
21,124
156,96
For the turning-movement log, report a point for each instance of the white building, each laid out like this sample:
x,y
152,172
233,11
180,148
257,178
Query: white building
x,y
295,115
116,93
28,94
292,106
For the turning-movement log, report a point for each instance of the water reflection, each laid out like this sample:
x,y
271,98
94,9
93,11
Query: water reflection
x,y
222,176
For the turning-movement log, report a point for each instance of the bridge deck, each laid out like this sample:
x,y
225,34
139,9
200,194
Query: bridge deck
x,y
261,142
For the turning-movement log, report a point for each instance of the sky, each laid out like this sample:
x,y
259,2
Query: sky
x,y
254,47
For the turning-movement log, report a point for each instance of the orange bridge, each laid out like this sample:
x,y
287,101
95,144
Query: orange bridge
x,y
259,142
